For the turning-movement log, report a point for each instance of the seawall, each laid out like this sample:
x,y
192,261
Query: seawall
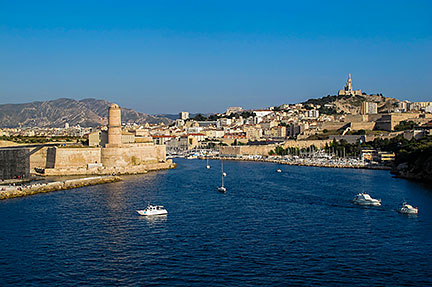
x,y
25,190
138,169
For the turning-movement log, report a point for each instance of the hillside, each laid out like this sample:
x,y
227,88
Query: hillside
x,y
86,113
352,104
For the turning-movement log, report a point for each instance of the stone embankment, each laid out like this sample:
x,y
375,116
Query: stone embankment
x,y
309,162
24,190
139,169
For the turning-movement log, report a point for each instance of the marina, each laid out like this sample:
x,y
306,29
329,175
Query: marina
x,y
316,159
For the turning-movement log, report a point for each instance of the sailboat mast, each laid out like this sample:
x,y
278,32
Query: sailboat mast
x,y
222,173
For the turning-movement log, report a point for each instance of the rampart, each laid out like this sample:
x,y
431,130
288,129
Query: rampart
x,y
14,163
73,157
132,155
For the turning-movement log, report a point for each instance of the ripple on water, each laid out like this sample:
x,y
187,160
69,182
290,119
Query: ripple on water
x,y
298,227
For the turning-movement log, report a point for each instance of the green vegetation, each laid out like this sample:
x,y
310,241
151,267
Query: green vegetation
x,y
358,133
200,117
214,117
405,125
40,139
409,151
279,150
342,147
324,100
236,143
328,111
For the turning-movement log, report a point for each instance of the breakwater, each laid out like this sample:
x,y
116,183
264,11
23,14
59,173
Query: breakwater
x,y
7,192
139,169
309,162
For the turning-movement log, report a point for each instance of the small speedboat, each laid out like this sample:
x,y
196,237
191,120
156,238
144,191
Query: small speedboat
x,y
278,170
407,209
366,199
153,210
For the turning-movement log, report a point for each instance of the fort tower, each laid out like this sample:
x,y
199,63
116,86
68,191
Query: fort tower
x,y
114,126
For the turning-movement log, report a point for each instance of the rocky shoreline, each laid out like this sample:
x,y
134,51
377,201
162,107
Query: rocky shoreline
x,y
420,170
97,177
25,190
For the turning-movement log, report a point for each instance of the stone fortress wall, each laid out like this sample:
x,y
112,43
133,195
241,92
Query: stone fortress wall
x,y
115,157
14,163
74,157
132,154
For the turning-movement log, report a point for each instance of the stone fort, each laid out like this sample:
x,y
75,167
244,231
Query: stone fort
x,y
113,157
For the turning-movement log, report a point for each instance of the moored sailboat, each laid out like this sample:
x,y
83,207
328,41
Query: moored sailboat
x,y
222,188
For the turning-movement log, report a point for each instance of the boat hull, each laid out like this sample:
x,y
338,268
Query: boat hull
x,y
149,213
408,211
222,189
368,203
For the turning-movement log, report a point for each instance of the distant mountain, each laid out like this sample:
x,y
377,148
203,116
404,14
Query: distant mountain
x,y
86,113
169,116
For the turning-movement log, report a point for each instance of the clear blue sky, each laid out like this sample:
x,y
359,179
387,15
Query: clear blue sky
x,y
203,56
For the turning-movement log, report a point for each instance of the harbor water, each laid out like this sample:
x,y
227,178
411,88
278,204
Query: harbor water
x,y
298,227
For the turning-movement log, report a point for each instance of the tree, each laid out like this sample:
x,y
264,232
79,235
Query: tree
x,y
405,125
200,117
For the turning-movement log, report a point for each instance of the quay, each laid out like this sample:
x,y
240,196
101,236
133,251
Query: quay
x,y
307,162
7,192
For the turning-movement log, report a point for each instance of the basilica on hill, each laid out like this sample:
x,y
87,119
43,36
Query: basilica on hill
x,y
348,91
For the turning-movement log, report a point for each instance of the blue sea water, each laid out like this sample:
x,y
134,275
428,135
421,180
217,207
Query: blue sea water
x,y
297,227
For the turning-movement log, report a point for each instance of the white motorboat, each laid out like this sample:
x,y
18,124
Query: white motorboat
x,y
222,188
207,166
153,210
407,209
366,199
278,170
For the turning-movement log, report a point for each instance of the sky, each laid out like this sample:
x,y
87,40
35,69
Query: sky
x,y
204,56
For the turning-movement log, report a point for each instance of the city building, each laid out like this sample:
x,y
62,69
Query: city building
x,y
369,108
184,115
233,110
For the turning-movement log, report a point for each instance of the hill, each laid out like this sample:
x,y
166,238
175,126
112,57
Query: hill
x,y
55,113
352,104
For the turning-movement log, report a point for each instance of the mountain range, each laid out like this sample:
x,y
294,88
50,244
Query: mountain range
x,y
56,113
